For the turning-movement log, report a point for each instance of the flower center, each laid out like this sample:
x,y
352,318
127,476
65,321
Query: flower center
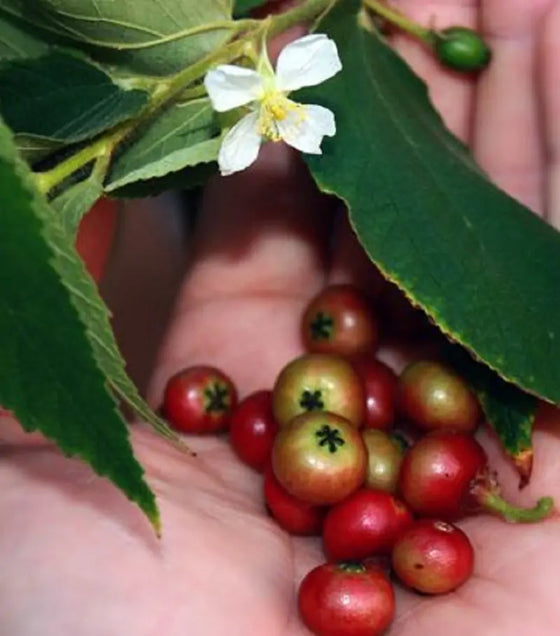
x,y
274,108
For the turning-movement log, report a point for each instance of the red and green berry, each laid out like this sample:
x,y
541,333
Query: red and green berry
x,y
319,458
435,398
433,557
318,382
199,399
346,599
340,320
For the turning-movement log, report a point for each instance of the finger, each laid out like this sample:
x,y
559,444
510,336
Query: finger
x,y
549,54
452,93
507,138
258,253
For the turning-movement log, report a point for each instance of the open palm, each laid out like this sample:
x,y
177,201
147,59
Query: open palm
x,y
76,558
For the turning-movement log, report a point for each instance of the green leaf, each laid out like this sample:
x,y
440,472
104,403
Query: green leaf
x,y
510,411
48,376
62,97
78,199
242,7
35,148
186,179
17,42
149,36
184,135
480,264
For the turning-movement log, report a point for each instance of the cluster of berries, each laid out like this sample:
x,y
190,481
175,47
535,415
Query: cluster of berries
x,y
336,463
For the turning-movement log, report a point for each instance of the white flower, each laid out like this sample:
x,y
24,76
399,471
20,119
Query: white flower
x,y
307,61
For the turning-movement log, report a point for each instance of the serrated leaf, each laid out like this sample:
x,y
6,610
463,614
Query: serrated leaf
x,y
186,179
63,98
48,377
16,42
148,36
242,7
509,411
186,134
481,265
78,199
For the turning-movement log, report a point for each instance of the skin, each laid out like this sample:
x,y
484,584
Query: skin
x,y
78,559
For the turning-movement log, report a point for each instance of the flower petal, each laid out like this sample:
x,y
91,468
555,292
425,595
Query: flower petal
x,y
307,61
230,86
305,128
240,146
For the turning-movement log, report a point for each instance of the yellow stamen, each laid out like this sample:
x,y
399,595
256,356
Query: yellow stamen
x,y
275,107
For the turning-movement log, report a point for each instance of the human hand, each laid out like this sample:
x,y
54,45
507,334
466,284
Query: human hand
x,y
78,559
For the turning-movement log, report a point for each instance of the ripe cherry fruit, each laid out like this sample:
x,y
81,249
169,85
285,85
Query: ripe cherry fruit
x,y
253,428
199,399
294,515
319,458
433,557
380,389
435,398
365,524
346,599
318,382
445,474
340,320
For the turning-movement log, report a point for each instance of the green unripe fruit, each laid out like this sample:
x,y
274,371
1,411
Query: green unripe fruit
x,y
461,49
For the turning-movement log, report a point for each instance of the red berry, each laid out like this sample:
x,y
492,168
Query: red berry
x,y
436,398
253,428
294,515
199,399
346,600
445,474
340,320
380,388
318,382
365,524
385,456
319,458
437,472
433,557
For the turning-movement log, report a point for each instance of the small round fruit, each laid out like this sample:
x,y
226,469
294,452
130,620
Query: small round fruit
x,y
461,49
319,458
318,382
199,399
437,472
445,474
346,599
252,429
436,398
385,456
365,524
433,557
380,388
340,320
294,515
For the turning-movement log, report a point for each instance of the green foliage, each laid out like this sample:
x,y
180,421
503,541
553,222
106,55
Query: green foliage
x,y
242,7
481,265
78,199
185,134
64,98
143,35
49,378
509,411
17,42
